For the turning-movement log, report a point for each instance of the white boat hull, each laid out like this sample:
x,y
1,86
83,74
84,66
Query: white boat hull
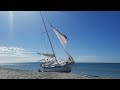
x,y
66,68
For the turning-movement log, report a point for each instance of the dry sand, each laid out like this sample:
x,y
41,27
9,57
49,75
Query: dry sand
x,y
6,73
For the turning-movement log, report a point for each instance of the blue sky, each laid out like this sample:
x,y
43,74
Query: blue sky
x,y
93,36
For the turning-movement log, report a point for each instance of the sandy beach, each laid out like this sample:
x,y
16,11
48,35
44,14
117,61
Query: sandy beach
x,y
6,73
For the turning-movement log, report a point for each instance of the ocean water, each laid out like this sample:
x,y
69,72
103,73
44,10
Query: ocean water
x,y
90,69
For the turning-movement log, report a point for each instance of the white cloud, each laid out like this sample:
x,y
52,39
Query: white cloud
x,y
15,54
11,50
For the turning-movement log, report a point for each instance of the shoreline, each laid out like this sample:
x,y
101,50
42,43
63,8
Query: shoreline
x,y
7,73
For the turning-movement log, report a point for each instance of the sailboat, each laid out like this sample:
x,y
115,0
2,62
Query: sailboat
x,y
51,63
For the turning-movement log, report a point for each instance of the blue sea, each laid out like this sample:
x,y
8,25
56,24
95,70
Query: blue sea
x,y
91,69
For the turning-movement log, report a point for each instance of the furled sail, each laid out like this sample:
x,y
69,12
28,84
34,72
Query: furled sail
x,y
47,55
62,38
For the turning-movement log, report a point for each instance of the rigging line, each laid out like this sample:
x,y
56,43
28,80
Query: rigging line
x,y
45,32
48,37
45,44
47,20
59,32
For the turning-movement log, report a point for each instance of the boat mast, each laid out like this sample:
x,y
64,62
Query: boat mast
x,y
48,36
